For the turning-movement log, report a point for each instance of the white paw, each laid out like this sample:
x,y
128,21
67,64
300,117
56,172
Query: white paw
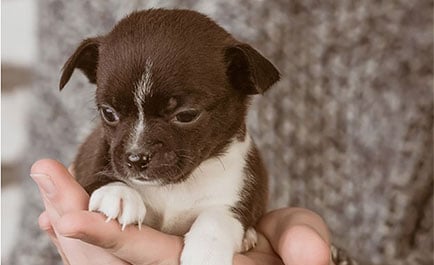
x,y
206,251
250,239
118,201
213,239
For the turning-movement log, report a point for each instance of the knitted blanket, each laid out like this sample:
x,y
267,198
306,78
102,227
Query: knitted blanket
x,y
347,132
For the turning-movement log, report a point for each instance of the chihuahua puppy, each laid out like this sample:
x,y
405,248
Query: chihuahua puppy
x,y
172,150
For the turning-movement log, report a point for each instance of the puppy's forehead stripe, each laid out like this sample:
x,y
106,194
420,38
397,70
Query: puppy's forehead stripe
x,y
143,86
141,91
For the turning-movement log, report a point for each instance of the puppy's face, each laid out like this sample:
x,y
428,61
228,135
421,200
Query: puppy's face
x,y
172,90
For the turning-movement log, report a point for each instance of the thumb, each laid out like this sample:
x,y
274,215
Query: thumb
x,y
58,186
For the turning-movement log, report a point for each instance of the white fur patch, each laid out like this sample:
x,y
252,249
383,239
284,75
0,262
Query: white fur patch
x,y
198,208
213,239
143,87
141,91
118,201
216,181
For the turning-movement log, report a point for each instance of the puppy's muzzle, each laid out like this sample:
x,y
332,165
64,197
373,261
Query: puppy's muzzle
x,y
138,161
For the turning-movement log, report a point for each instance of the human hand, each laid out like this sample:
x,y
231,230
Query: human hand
x,y
292,235
83,237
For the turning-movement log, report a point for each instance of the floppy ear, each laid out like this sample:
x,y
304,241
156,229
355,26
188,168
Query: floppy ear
x,y
84,58
248,70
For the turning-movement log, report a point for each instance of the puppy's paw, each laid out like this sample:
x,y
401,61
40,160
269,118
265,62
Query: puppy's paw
x,y
205,251
250,239
213,238
118,201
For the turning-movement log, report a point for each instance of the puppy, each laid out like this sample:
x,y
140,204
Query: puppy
x,y
172,150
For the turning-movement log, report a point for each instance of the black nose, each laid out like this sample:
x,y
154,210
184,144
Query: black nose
x,y
138,161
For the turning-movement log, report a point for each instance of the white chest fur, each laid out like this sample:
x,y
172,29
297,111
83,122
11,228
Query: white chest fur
x,y
216,182
198,208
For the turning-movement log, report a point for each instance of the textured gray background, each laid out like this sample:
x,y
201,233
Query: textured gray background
x,y
348,132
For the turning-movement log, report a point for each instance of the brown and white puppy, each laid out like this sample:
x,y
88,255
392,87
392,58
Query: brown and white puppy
x,y
172,150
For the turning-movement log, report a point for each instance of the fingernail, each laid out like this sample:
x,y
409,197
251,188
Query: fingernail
x,y
45,183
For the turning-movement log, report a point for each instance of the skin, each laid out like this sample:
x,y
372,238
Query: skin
x,y
289,236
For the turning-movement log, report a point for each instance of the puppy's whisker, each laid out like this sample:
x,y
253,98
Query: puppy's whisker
x,y
188,159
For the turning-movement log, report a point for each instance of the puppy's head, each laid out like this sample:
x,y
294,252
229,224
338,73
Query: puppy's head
x,y
172,89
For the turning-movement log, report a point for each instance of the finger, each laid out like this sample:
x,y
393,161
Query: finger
x,y
59,186
262,253
51,234
71,169
45,225
263,245
276,222
300,244
132,245
256,258
62,194
299,236
241,259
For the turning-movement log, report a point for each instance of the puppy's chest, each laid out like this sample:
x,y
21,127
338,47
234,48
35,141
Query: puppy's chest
x,y
173,209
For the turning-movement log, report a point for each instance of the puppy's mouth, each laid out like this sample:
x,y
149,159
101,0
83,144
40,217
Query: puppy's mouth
x,y
161,170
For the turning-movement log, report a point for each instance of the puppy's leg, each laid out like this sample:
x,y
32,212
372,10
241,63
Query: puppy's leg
x,y
119,201
213,239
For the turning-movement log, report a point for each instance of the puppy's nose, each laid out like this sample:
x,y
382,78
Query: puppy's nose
x,y
138,161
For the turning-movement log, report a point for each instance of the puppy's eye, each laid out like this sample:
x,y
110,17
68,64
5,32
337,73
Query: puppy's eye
x,y
187,116
109,115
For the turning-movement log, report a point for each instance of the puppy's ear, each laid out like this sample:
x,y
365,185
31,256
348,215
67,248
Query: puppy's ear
x,y
248,70
84,58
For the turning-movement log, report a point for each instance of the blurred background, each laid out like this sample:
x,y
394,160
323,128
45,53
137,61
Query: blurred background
x,y
347,132
18,56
